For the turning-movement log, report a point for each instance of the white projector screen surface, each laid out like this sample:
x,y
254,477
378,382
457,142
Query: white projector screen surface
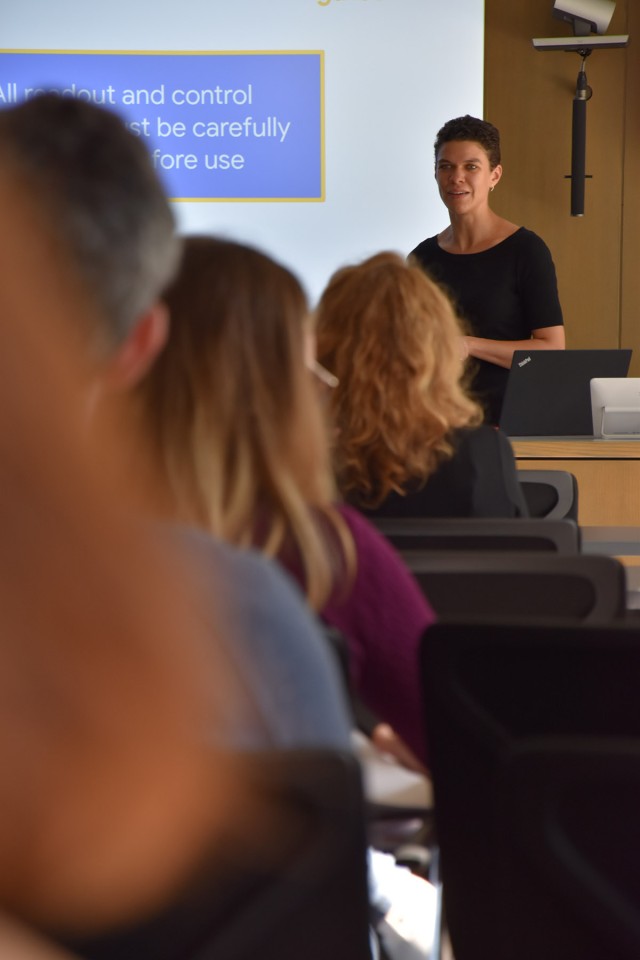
x,y
304,127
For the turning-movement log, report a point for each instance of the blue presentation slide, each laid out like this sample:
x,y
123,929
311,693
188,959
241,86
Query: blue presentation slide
x,y
308,124
219,126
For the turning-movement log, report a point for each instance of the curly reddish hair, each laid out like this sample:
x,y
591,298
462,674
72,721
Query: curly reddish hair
x,y
392,338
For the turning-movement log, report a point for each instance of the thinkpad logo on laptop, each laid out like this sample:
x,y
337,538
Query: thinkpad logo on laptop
x,y
522,362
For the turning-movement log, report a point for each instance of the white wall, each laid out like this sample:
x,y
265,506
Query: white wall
x,y
395,70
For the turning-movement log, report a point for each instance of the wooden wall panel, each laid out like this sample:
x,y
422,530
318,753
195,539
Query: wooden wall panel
x,y
528,95
630,270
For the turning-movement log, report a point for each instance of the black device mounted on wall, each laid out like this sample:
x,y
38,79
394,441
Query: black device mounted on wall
x,y
586,17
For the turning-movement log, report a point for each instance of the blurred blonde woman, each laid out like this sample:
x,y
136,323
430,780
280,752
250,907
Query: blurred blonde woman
x,y
237,432
409,440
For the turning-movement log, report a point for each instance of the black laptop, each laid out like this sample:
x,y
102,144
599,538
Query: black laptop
x,y
548,391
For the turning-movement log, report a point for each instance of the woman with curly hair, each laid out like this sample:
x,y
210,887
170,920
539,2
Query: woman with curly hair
x,y
409,437
237,435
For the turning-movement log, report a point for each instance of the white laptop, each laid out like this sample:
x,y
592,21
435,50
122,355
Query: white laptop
x,y
615,407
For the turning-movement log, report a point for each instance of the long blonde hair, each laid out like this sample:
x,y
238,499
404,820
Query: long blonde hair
x,y
392,338
232,413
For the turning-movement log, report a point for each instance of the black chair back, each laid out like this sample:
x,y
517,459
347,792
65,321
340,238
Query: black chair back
x,y
568,850
550,493
489,689
482,533
507,586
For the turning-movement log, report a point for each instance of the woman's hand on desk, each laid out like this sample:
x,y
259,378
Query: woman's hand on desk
x,y
500,352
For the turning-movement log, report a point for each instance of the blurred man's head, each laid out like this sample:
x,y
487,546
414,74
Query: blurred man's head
x,y
95,182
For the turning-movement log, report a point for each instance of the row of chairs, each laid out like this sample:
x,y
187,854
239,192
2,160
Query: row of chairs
x,y
530,684
533,567
509,568
535,745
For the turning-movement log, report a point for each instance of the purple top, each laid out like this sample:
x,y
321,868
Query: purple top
x,y
382,619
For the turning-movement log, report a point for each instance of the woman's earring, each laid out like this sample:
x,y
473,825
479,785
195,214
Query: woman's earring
x,y
493,188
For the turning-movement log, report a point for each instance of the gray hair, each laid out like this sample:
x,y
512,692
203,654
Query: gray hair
x,y
95,180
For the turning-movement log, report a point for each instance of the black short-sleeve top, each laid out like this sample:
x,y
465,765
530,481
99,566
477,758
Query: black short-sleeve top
x,y
503,293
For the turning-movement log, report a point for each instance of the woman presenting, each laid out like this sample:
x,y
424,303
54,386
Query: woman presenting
x,y
500,276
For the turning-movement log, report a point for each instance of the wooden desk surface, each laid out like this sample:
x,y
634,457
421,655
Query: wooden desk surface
x,y
574,448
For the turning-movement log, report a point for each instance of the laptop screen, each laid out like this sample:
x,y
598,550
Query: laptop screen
x,y
549,391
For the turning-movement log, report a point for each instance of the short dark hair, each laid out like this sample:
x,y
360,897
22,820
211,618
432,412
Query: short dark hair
x,y
96,183
471,128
